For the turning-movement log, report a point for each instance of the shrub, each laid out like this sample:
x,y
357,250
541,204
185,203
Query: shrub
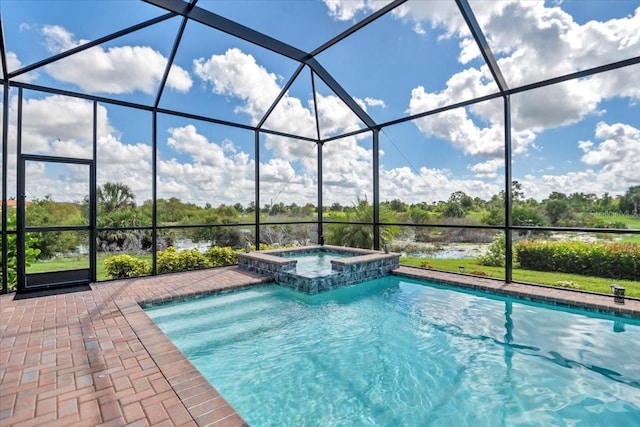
x,y
611,260
169,261
123,266
30,253
217,256
425,264
191,260
479,273
495,256
567,284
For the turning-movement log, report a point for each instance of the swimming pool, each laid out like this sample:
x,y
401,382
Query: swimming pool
x,y
394,351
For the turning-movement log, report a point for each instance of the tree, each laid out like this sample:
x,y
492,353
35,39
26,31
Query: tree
x,y
630,202
453,210
556,210
524,216
359,234
581,202
113,196
457,205
239,208
308,209
462,198
517,195
278,209
30,252
46,212
397,205
606,202
336,207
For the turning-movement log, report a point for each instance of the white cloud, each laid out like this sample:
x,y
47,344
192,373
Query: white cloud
x,y
611,164
429,184
215,172
618,154
199,170
62,126
237,74
120,69
371,102
14,63
438,14
534,42
59,125
347,168
488,169
347,10
531,41
460,129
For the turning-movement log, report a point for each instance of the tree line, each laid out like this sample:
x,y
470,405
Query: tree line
x,y
117,210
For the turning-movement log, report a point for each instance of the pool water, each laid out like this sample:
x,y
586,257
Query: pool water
x,y
317,263
397,352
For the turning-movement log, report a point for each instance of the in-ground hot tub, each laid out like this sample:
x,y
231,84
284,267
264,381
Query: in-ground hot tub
x,y
314,269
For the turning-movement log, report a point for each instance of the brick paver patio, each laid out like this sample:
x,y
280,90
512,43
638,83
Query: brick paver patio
x,y
95,359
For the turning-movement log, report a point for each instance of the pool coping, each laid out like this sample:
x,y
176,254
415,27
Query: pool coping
x,y
360,255
95,358
574,298
359,265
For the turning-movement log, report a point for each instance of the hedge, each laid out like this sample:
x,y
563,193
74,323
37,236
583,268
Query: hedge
x,y
169,261
124,266
610,260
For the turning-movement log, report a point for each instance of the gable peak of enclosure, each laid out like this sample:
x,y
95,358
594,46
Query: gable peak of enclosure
x,y
149,62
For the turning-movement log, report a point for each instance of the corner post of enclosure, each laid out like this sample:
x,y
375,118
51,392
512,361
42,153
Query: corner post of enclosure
x,y
376,189
5,152
319,144
320,201
257,188
93,207
508,193
20,214
154,190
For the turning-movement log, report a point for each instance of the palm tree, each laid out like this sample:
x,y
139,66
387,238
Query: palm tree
x,y
359,234
113,196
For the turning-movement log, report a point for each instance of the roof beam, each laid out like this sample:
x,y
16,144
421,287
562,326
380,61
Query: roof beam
x,y
369,19
3,54
172,57
217,22
228,26
280,96
341,93
482,43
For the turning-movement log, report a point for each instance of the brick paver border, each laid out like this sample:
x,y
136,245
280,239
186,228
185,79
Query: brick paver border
x,y
96,359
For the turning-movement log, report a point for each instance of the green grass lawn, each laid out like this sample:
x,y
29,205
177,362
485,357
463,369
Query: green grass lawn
x,y
59,264
631,221
587,283
631,238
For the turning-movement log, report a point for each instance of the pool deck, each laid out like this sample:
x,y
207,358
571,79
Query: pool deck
x,y
94,358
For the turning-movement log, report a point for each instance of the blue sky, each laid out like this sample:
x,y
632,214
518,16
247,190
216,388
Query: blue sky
x,y
575,136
